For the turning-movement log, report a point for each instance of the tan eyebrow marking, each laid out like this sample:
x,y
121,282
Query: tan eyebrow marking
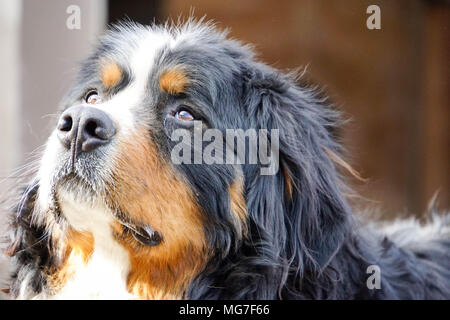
x,y
173,81
111,74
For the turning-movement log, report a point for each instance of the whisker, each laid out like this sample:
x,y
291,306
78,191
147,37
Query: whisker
x,y
42,238
25,197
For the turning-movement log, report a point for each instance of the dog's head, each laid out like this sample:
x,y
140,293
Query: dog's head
x,y
123,168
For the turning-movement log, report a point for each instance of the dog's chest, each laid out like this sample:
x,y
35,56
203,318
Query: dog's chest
x,y
100,274
102,277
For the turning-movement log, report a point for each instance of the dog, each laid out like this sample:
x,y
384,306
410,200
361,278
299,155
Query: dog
x,y
109,214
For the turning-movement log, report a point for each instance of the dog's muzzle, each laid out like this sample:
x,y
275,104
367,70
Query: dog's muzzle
x,y
84,129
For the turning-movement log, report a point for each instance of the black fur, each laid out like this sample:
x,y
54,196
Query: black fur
x,y
30,245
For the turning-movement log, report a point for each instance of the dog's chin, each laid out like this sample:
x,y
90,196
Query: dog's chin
x,y
84,179
73,190
79,204
76,187
79,195
85,208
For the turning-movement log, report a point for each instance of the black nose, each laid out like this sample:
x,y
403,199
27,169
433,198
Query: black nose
x,y
85,128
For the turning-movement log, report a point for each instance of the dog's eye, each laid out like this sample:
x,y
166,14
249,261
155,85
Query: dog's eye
x,y
184,115
92,97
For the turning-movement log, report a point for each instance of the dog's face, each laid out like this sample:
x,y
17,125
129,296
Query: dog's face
x,y
107,166
108,180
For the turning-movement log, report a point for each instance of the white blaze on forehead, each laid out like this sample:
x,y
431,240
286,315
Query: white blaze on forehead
x,y
141,63
143,58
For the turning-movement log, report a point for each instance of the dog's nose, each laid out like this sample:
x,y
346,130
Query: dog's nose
x,y
85,128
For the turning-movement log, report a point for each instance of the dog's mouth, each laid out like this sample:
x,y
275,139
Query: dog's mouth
x,y
142,233
86,174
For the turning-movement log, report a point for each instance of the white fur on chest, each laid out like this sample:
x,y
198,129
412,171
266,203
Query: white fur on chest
x,y
104,276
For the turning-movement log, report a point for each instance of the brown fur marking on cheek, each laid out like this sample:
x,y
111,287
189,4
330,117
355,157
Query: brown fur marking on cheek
x,y
238,205
147,190
111,74
79,248
173,81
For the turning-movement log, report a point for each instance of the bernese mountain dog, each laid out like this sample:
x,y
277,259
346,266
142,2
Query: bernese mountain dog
x,y
110,214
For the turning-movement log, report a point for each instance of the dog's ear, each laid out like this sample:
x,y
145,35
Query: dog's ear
x,y
302,205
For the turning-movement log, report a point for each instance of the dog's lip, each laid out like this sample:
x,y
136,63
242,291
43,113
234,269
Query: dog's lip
x,y
64,179
144,234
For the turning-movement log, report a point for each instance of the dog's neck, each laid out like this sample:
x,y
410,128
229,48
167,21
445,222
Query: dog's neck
x,y
94,265
98,262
